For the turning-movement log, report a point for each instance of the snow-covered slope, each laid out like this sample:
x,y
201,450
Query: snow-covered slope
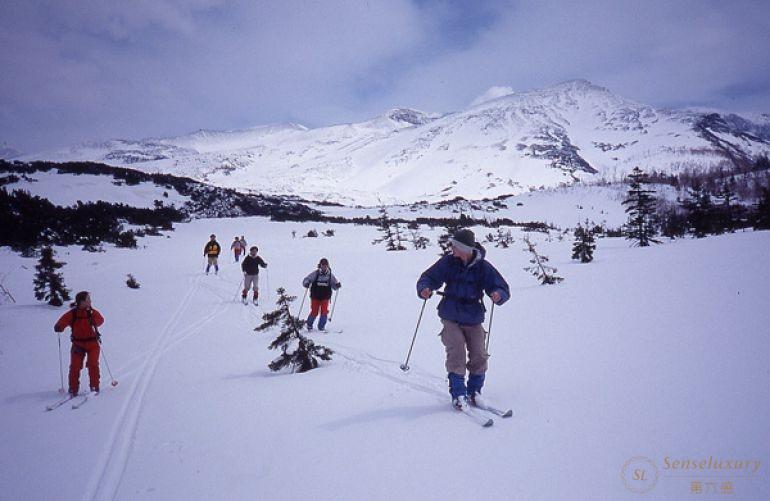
x,y
509,145
659,353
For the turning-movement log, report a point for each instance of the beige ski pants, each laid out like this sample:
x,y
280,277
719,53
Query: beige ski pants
x,y
457,340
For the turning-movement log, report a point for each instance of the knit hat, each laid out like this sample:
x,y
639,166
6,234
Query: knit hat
x,y
464,240
323,261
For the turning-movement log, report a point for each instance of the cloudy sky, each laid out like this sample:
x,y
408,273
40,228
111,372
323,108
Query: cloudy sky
x,y
76,70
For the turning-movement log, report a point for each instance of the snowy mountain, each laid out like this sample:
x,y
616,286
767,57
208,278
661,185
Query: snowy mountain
x,y
8,153
507,145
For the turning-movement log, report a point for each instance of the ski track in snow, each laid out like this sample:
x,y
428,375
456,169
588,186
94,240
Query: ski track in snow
x,y
105,483
415,380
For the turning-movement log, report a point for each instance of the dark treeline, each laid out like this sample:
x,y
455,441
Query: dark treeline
x,y
205,200
747,178
31,221
711,204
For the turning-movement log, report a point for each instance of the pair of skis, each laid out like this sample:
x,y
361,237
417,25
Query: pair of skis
x,y
472,411
77,401
325,331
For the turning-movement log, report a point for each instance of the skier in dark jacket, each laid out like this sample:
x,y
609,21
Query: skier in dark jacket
x,y
321,283
467,276
211,251
250,267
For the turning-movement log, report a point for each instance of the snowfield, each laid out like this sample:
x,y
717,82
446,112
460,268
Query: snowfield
x,y
660,353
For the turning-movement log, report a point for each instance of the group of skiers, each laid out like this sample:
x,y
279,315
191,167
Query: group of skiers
x,y
464,274
238,247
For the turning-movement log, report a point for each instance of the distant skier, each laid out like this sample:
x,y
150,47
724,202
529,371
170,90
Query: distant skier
x,y
237,249
467,276
211,251
321,283
83,321
250,267
244,248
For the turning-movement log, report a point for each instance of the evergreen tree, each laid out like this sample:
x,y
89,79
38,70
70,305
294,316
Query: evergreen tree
x,y
503,239
640,209
297,351
131,282
700,212
729,212
49,284
546,274
418,240
762,215
672,222
126,239
390,231
584,245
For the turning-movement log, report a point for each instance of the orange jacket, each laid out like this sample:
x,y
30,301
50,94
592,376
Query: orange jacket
x,y
81,328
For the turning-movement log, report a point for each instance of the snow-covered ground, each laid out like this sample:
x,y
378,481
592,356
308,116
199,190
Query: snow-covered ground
x,y
658,353
563,207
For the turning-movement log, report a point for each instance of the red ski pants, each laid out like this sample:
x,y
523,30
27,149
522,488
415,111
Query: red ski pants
x,y
78,352
319,304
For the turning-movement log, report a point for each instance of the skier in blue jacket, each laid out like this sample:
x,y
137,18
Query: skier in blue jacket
x,y
467,276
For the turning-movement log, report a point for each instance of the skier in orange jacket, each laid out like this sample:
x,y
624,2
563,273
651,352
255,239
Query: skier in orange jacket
x,y
84,321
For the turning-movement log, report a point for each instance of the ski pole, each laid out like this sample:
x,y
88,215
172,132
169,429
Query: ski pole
x,y
61,370
405,365
302,303
104,356
489,329
334,304
267,284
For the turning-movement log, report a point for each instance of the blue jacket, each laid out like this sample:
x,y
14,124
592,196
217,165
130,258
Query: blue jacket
x,y
465,286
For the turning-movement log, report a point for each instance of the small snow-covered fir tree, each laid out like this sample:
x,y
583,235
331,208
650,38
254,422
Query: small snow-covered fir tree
x,y
585,244
540,269
419,241
297,351
131,282
503,239
49,284
640,208
390,232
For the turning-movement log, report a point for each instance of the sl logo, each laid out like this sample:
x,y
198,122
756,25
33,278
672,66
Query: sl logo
x,y
639,474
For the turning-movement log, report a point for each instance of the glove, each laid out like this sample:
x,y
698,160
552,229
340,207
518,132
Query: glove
x,y
339,285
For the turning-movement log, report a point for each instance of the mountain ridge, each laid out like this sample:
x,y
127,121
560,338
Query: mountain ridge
x,y
571,132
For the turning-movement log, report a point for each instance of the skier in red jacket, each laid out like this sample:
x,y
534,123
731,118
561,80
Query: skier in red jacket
x,y
84,321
